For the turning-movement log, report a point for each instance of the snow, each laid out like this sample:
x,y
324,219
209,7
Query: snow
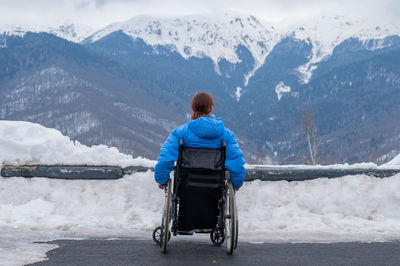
x,y
327,32
238,93
25,143
3,44
281,89
394,162
350,208
67,30
216,36
345,209
71,32
85,207
17,249
330,166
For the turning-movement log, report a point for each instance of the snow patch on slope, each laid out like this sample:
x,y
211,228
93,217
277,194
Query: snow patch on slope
x,y
281,89
3,43
238,93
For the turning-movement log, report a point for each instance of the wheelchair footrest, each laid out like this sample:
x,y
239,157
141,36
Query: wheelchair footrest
x,y
203,231
197,231
186,233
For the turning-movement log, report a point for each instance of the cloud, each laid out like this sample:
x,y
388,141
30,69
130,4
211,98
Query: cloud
x,y
100,3
99,13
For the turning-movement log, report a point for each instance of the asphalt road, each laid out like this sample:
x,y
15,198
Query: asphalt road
x,y
192,251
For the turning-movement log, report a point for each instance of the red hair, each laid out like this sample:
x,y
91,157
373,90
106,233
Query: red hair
x,y
202,105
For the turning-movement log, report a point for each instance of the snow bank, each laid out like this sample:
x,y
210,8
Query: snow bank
x,y
351,207
342,209
348,208
24,143
81,207
40,209
394,162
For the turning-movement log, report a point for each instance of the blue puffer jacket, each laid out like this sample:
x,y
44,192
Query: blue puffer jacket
x,y
204,132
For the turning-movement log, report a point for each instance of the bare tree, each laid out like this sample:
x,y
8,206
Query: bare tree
x,y
310,131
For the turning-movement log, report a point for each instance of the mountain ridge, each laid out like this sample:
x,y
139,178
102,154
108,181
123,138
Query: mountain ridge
x,y
218,36
67,30
194,35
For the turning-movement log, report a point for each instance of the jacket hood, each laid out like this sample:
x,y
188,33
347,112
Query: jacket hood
x,y
207,127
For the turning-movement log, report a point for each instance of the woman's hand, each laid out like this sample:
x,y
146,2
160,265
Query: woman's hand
x,y
237,189
161,186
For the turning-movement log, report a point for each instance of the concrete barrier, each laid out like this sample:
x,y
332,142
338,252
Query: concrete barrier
x,y
64,172
301,174
267,173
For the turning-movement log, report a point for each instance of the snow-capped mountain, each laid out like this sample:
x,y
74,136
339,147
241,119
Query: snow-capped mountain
x,y
260,74
218,36
327,32
67,30
72,32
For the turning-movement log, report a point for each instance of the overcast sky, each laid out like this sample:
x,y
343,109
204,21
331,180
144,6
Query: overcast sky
x,y
99,13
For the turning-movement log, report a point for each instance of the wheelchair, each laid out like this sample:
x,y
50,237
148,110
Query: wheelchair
x,y
199,199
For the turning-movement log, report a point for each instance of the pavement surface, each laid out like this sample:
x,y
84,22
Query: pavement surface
x,y
192,251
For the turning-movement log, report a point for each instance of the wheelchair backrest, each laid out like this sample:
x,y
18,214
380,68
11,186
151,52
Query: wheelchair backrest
x,y
201,167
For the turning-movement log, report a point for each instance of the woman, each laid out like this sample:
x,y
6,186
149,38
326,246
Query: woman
x,y
202,131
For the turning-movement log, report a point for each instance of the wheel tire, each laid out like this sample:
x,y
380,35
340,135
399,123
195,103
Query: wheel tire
x,y
157,235
230,218
236,227
166,219
217,237
236,234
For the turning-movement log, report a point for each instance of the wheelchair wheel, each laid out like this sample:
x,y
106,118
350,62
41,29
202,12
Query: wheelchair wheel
x,y
157,235
217,236
166,218
230,218
236,225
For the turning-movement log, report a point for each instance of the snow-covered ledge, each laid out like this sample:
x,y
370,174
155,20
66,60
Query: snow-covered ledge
x,y
31,150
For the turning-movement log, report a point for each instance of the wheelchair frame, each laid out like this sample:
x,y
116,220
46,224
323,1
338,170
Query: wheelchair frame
x,y
226,229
